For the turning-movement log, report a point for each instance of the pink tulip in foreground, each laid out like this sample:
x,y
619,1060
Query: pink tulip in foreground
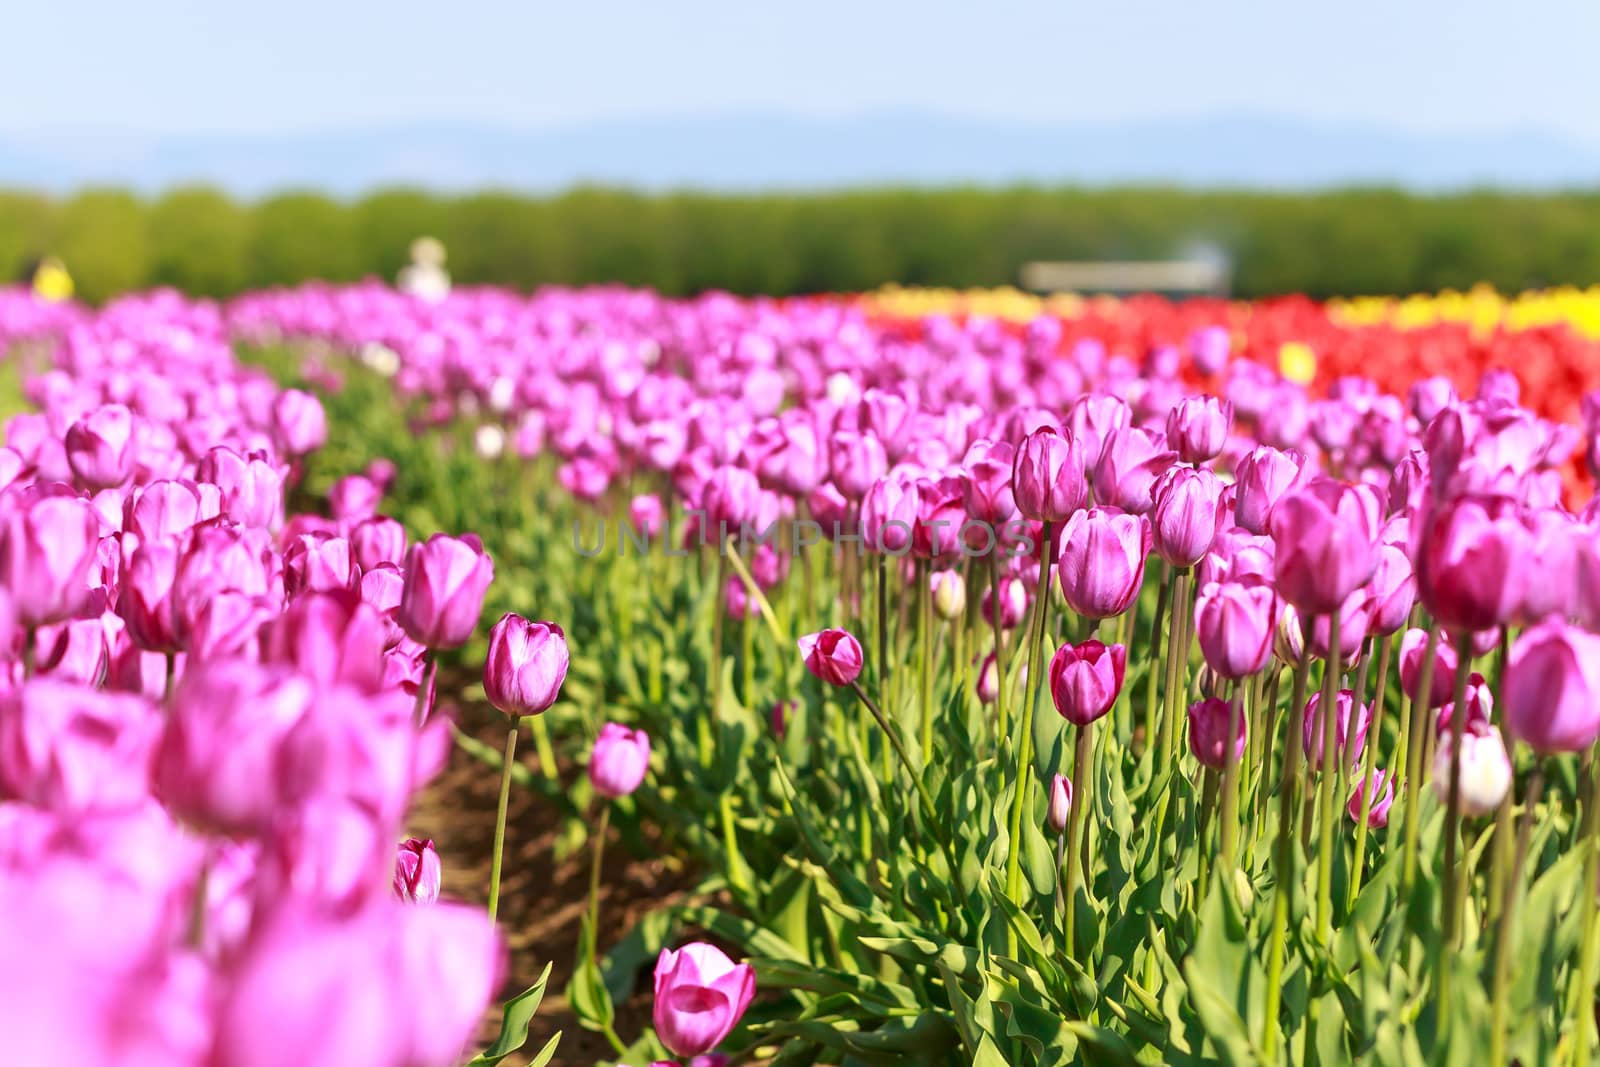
x,y
526,665
700,997
1085,680
1552,688
832,655
446,579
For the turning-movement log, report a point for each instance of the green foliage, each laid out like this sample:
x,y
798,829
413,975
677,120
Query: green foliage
x,y
1330,243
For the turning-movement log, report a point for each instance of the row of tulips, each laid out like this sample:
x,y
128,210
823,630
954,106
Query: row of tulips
x,y
1550,339
214,716
1215,556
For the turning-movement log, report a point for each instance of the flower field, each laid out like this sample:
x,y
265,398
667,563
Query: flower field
x,y
973,678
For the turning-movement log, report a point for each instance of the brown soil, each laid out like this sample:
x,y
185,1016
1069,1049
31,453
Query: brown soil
x,y
541,900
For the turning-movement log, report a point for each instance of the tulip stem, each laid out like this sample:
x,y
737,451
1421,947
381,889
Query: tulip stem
x,y
916,780
1230,779
1284,862
1080,773
500,821
1368,765
1583,1000
1035,685
1152,707
172,677
197,907
592,942
1332,754
1510,876
1455,869
925,599
1411,746
1000,701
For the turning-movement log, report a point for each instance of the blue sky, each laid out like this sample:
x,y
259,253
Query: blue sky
x,y
161,66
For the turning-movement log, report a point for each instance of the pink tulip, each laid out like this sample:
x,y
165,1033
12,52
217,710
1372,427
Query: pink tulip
x,y
832,655
1263,477
1325,537
1102,561
700,996
619,760
1198,427
46,552
1236,624
299,423
1047,480
1551,689
446,579
526,665
1312,727
101,447
417,872
1132,460
1183,521
1060,803
1213,724
1380,788
1085,680
1468,560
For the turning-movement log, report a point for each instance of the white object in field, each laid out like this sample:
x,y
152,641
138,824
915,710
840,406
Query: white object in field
x,y
425,277
1135,276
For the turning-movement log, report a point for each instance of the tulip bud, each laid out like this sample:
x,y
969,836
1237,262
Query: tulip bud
x,y
1212,724
1013,602
1102,561
446,579
417,872
1047,477
780,715
1234,625
987,685
1325,539
47,549
1312,728
1132,459
1381,789
1485,772
1060,803
298,422
1085,680
1198,427
1183,522
700,996
100,447
832,655
1413,647
619,760
526,665
1552,687
949,591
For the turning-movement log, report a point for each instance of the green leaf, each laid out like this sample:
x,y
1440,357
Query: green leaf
x,y
515,1018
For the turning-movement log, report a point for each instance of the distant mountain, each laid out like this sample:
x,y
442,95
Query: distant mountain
x,y
749,152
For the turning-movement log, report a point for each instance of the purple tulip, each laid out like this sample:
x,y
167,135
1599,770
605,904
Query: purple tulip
x,y
1047,480
101,447
1263,477
1198,427
46,552
1468,562
1380,788
1312,728
1132,460
299,423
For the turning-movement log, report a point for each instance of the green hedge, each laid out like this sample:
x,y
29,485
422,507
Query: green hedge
x,y
1354,241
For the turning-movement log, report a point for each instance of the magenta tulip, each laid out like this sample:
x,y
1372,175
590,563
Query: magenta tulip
x,y
1060,803
832,655
1102,561
1047,479
1236,624
1325,539
1344,707
1380,789
1198,427
101,447
1213,724
1551,688
1183,521
526,665
619,760
417,872
700,996
446,579
1085,680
